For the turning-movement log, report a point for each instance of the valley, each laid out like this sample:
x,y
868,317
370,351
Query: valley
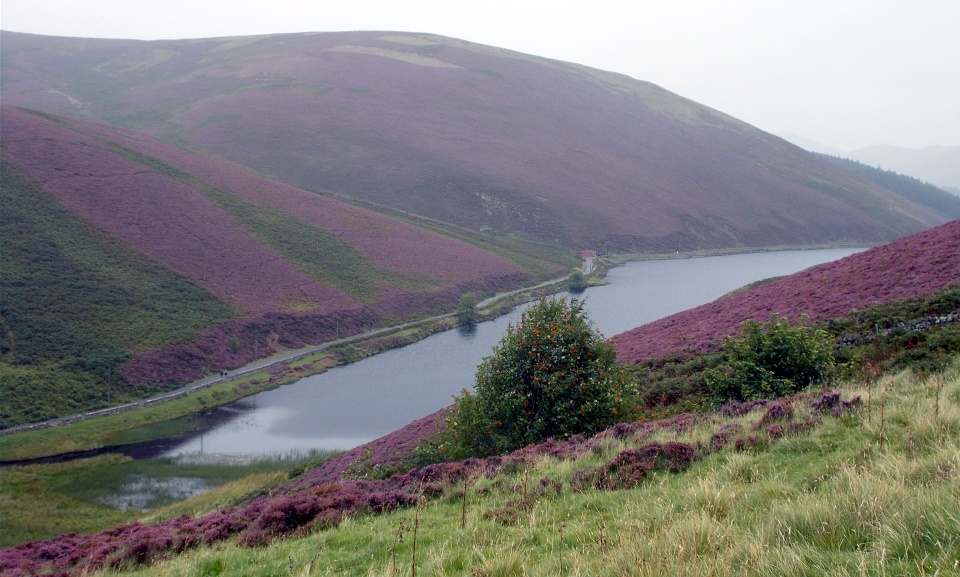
x,y
242,278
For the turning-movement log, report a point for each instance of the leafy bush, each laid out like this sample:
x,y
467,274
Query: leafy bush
x,y
551,375
467,309
577,282
772,359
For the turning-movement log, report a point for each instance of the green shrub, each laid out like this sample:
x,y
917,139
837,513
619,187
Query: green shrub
x,y
467,312
577,282
551,375
771,359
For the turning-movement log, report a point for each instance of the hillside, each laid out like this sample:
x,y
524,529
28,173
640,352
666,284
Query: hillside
x,y
939,165
469,134
859,477
911,188
129,264
915,266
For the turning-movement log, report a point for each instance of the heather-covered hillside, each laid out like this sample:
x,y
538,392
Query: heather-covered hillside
x,y
469,134
911,267
217,224
127,261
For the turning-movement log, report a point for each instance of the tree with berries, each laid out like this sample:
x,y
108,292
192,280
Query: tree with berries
x,y
551,375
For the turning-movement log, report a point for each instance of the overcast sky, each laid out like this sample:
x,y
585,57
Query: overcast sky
x,y
844,73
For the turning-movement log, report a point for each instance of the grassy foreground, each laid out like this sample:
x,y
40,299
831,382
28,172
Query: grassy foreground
x,y
875,491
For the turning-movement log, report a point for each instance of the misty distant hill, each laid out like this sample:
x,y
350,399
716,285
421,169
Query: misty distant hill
x,y
468,134
938,165
908,187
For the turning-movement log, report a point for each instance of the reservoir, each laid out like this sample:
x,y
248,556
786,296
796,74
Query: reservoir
x,y
353,404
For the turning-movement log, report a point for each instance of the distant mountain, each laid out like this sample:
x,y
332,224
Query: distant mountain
x,y
915,266
129,263
911,188
938,165
810,144
468,134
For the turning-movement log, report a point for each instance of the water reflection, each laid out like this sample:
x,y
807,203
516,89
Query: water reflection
x,y
142,493
468,331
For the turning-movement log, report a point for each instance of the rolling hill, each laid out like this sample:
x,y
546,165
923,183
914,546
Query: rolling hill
x,y
129,263
468,134
922,193
939,165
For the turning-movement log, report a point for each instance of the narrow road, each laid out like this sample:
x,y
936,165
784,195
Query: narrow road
x,y
254,367
587,265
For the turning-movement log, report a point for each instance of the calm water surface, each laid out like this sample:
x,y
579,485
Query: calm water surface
x,y
350,405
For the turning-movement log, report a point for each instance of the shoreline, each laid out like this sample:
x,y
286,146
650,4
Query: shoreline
x,y
25,443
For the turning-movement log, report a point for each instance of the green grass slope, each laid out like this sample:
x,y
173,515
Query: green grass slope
x,y
832,501
76,305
